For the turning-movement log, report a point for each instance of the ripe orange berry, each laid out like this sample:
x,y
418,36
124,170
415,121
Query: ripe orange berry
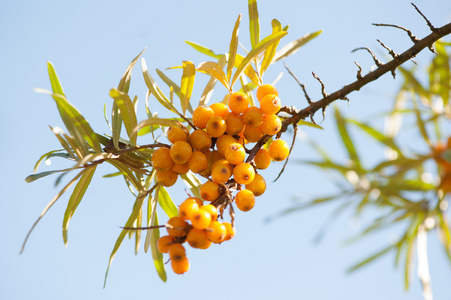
x,y
219,109
270,104
271,124
266,89
257,186
198,162
230,231
216,126
235,153
279,150
166,178
164,242
201,219
180,169
177,134
180,152
243,173
177,227
234,123
197,238
221,171
245,200
189,207
180,266
212,157
201,115
223,142
200,140
209,191
253,135
238,102
176,251
252,117
262,159
212,210
216,232
161,159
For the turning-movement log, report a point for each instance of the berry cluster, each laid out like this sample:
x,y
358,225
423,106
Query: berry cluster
x,y
216,149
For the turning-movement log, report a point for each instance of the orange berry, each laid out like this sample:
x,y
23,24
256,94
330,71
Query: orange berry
x,y
234,123
245,200
223,142
221,171
198,162
252,117
266,89
180,152
201,115
200,140
271,124
176,251
216,126
243,173
177,134
209,191
270,104
197,238
164,242
253,135
189,207
257,186
212,210
177,227
180,266
262,159
166,178
279,150
219,109
235,153
201,219
180,169
238,102
216,232
212,157
230,231
161,159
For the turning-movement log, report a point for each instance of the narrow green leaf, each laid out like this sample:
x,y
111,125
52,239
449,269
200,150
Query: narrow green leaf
x,y
66,145
54,80
233,48
421,126
371,258
127,173
166,203
215,70
187,85
248,71
260,47
254,23
208,91
127,111
155,121
124,84
193,183
294,46
49,155
157,255
346,139
310,124
151,215
75,198
33,177
204,50
169,82
269,53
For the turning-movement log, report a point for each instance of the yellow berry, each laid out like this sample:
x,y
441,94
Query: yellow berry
x,y
245,200
262,159
166,178
180,152
243,173
221,171
252,117
279,150
216,126
234,123
161,159
200,140
219,109
201,115
198,162
271,124
238,102
209,191
270,104
257,186
235,153
177,134
266,89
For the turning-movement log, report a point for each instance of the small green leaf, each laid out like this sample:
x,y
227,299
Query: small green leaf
x,y
187,85
75,198
259,48
169,82
204,50
215,70
310,124
124,84
294,46
166,203
269,53
233,48
155,121
157,255
248,71
127,111
371,258
33,177
192,182
254,23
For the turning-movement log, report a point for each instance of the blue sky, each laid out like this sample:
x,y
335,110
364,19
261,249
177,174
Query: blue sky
x,y
91,43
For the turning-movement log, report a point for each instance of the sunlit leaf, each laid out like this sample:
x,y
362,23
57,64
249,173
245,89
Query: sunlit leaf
x,y
248,71
310,124
346,139
204,50
127,110
259,48
157,255
421,126
254,23
166,203
155,121
187,85
215,70
192,182
75,198
233,48
440,74
294,46
270,52
208,91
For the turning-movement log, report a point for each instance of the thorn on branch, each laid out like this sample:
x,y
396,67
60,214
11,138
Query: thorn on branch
x,y
323,88
295,127
433,29
300,84
359,72
376,61
412,37
390,51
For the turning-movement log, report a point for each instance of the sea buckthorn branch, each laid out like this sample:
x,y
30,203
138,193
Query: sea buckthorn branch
x,y
419,44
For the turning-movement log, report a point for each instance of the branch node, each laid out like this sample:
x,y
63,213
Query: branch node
x,y
390,51
376,61
359,72
323,88
412,37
